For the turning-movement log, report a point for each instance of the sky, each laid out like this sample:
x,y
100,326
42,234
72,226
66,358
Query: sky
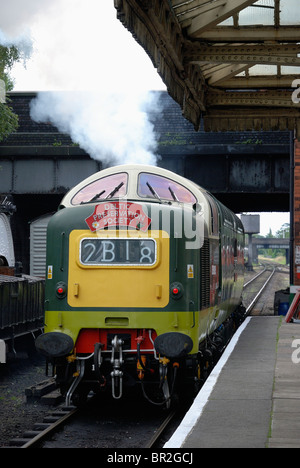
x,y
82,48
273,221
95,77
76,45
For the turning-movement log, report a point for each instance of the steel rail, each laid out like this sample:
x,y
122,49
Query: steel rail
x,y
255,277
161,429
31,438
253,302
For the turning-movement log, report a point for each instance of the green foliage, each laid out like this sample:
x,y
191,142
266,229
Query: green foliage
x,y
172,138
284,232
8,119
249,141
8,56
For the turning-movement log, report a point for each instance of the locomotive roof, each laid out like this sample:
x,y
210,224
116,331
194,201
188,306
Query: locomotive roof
x,y
133,170
198,194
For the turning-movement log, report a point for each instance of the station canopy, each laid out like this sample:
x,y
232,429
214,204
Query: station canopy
x,y
235,64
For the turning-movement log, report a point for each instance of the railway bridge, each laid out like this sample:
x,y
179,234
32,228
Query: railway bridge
x,y
247,171
271,243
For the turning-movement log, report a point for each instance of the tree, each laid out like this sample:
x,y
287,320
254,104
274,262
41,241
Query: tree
x,y
284,231
8,119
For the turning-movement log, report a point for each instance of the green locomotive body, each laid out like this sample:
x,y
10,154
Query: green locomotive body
x,y
144,283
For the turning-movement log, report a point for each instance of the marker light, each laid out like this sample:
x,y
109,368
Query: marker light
x,y
176,290
61,290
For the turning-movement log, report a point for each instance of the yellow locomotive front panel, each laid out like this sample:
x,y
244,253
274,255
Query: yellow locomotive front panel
x,y
118,269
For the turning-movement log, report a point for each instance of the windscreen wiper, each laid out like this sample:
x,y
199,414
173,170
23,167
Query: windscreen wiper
x,y
115,190
153,191
95,197
174,196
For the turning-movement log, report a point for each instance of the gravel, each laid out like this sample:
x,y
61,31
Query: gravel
x,y
16,414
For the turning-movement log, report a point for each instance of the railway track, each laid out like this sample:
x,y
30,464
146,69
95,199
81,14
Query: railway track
x,y
64,415
161,430
255,287
40,431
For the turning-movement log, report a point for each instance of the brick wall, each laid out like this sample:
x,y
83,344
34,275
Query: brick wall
x,y
171,128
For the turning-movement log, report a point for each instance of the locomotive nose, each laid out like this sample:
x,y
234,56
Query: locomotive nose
x,y
173,344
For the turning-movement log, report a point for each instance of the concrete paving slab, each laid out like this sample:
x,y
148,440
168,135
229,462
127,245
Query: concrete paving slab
x,y
285,422
284,443
254,401
237,412
232,424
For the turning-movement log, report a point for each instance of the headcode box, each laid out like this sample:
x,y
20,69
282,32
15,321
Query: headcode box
x,y
251,223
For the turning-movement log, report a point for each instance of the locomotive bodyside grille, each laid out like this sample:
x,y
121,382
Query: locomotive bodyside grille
x,y
205,275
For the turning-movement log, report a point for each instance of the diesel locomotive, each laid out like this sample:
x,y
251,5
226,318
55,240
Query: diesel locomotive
x,y
143,284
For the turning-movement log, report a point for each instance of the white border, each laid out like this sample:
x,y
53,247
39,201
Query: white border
x,y
195,411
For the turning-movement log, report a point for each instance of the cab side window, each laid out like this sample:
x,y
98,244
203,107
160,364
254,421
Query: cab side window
x,y
214,215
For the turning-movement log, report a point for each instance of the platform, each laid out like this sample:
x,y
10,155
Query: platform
x,y
252,397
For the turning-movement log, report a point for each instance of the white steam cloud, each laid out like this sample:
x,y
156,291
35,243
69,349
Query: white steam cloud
x,y
79,46
113,128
